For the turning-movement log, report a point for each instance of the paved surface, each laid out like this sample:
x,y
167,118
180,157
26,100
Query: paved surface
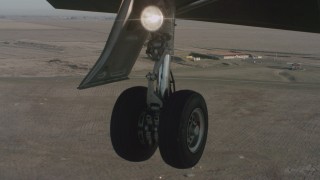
x,y
50,130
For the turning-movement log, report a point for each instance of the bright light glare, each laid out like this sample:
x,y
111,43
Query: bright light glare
x,y
152,18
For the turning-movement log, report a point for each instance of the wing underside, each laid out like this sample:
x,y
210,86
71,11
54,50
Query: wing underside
x,y
295,15
106,6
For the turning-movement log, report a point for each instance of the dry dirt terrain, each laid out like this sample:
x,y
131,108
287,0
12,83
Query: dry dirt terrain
x,y
264,119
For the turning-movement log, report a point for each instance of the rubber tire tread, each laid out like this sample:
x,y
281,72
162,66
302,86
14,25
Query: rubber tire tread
x,y
124,125
172,130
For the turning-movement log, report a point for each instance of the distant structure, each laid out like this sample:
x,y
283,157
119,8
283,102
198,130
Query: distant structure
x,y
235,56
296,66
195,55
221,55
192,58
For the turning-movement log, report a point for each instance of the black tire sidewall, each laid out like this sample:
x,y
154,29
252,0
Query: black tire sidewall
x,y
192,103
173,129
124,125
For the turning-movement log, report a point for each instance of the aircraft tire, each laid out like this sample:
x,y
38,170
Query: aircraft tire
x,y
124,126
183,129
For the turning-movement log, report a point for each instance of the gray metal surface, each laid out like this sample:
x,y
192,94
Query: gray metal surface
x,y
164,75
161,71
195,131
122,48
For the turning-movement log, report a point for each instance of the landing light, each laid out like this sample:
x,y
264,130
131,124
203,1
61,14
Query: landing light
x,y
151,18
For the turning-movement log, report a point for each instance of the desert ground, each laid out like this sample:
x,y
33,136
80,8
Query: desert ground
x,y
264,119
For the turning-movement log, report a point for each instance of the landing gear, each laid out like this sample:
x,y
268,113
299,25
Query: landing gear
x,y
145,117
182,129
132,129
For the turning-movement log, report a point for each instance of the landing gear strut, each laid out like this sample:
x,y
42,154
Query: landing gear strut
x,y
144,118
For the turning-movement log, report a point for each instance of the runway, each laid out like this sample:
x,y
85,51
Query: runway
x,y
50,130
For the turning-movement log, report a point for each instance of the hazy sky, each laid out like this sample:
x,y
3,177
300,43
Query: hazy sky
x,y
34,7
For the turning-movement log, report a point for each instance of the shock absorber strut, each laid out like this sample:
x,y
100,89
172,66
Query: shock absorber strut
x,y
161,49
160,80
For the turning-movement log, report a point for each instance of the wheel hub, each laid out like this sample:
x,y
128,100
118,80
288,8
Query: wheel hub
x,y
195,130
148,128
